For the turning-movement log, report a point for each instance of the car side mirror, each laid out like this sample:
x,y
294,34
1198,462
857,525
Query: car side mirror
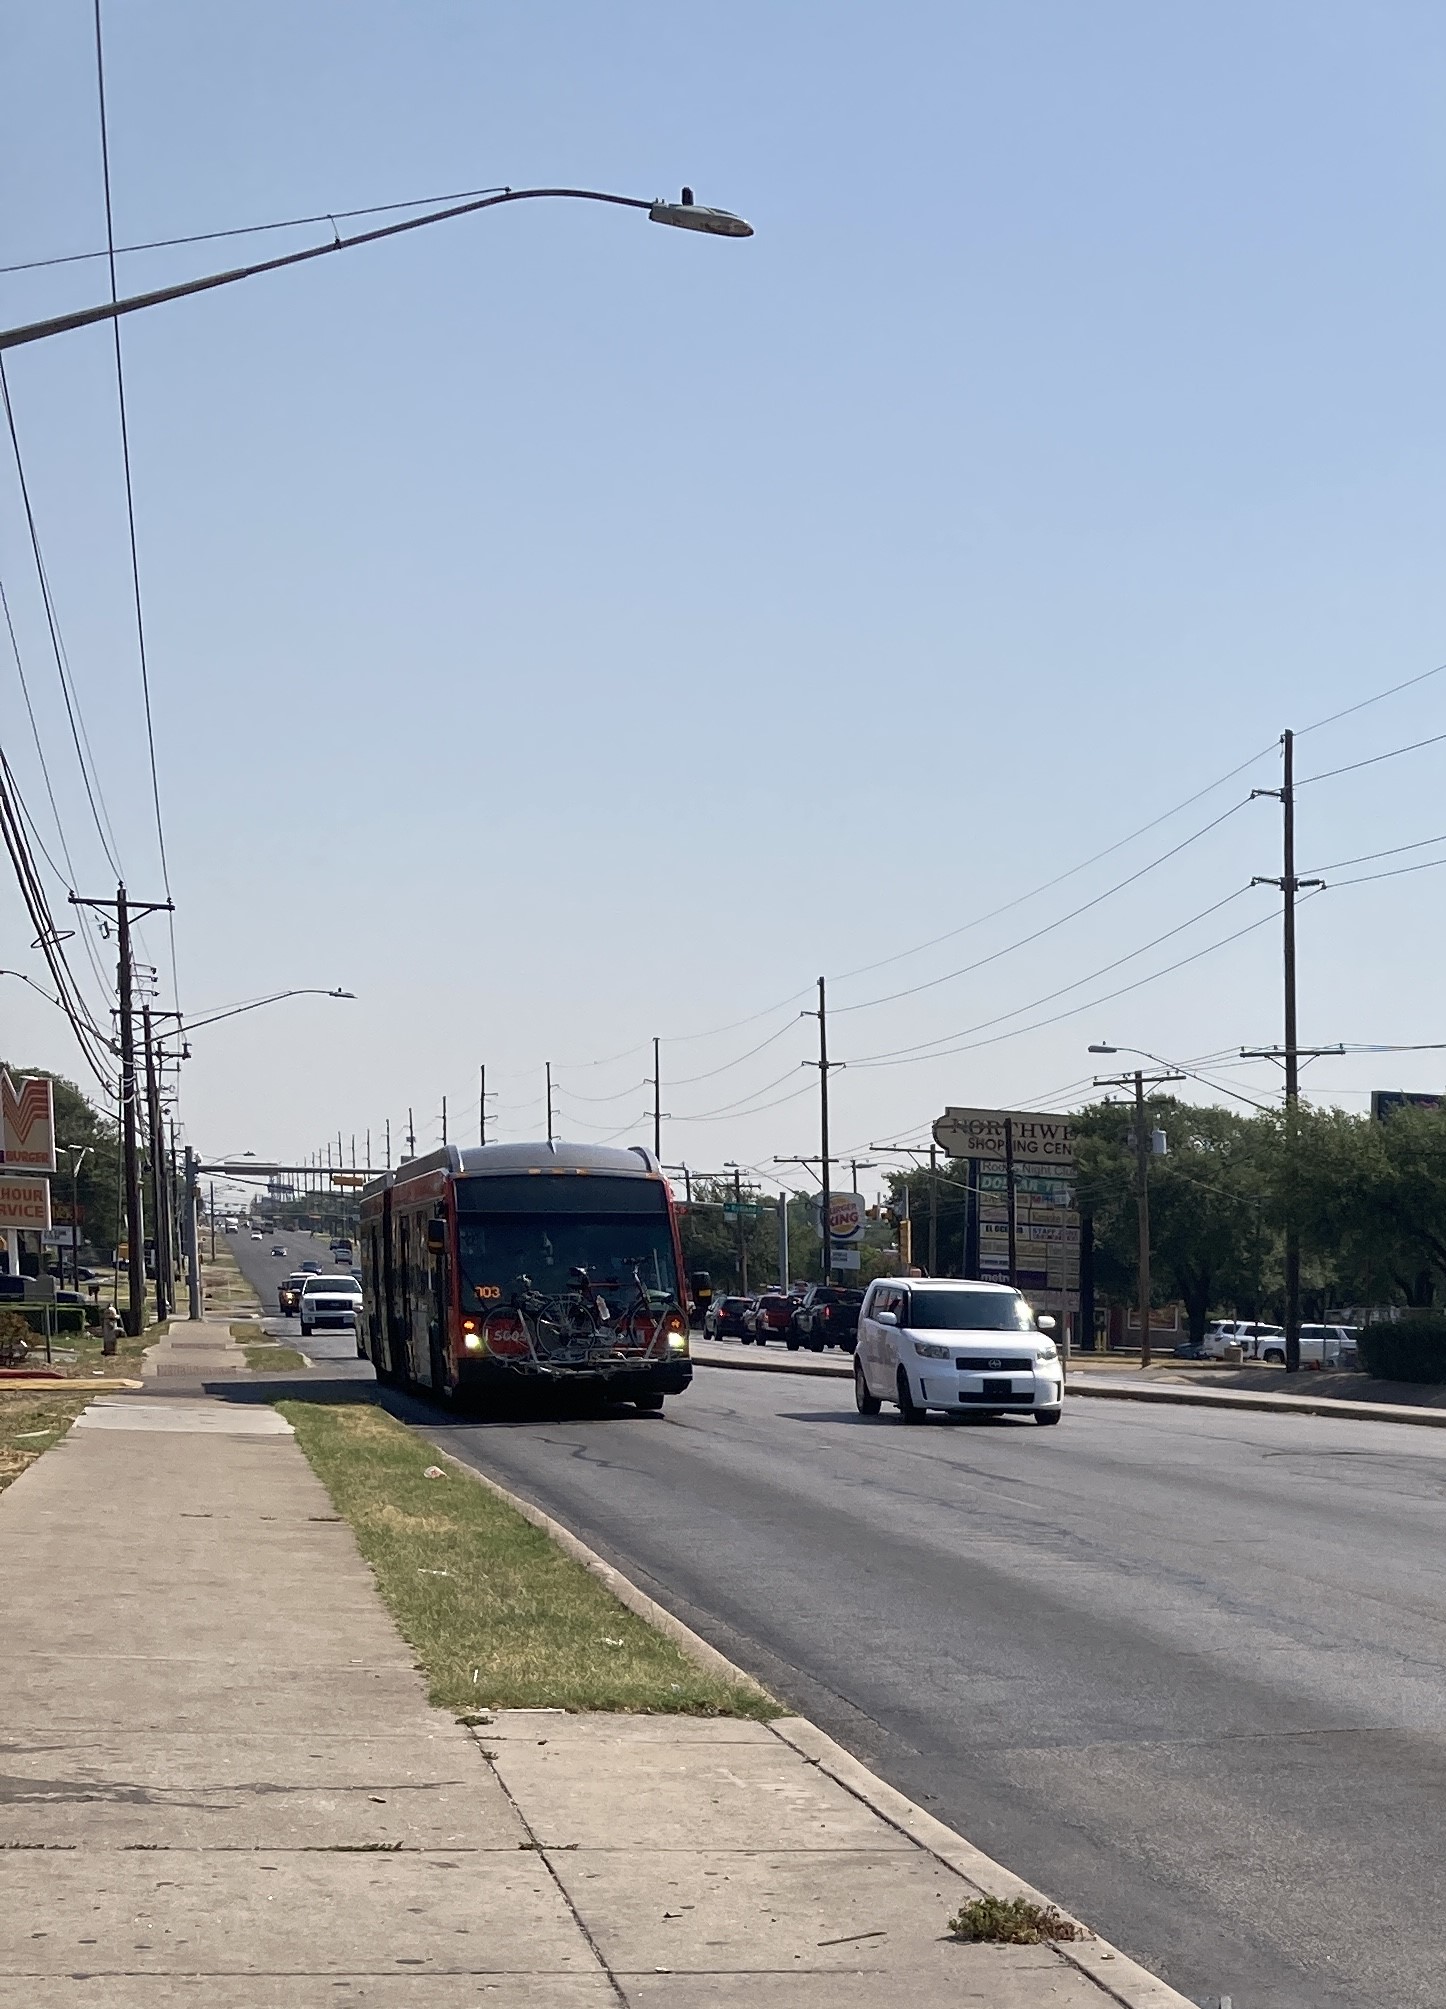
x,y
885,1318
1045,1322
436,1238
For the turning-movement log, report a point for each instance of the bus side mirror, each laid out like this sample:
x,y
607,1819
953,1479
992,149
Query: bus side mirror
x,y
436,1238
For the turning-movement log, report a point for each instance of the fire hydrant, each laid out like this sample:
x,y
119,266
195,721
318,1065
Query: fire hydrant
x,y
110,1326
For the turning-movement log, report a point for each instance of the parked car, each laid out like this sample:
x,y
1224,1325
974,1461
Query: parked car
x,y
1320,1346
724,1318
288,1293
1248,1334
967,1348
329,1301
827,1316
772,1315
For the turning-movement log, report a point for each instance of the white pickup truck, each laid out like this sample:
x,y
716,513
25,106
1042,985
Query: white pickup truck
x,y
1320,1345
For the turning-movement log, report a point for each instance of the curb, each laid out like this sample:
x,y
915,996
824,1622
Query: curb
x,y
1274,1405
1191,1398
1123,1980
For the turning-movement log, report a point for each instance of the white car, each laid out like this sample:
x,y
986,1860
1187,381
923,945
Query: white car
x,y
966,1348
1247,1334
335,1301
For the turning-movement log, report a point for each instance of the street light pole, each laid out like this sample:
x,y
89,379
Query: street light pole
x,y
684,215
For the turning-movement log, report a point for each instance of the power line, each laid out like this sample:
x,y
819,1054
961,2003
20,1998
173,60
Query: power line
x,y
997,1039
1375,759
1024,941
1350,710
331,216
120,387
1369,857
79,736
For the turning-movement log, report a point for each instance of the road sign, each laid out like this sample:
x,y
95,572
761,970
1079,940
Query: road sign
x,y
749,1211
844,1259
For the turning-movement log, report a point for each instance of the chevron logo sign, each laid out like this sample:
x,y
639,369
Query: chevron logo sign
x,y
27,1123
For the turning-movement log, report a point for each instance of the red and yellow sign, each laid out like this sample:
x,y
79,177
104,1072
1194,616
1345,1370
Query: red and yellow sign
x,y
27,1123
24,1204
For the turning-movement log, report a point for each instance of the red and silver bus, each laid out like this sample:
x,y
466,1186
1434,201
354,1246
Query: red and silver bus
x,y
509,1266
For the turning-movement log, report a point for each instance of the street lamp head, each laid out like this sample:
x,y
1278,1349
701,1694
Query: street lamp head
x,y
689,215
341,994
1100,1047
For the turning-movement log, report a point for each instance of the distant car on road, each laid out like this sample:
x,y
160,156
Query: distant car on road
x,y
968,1348
277,1250
256,1235
288,1294
828,1316
329,1301
772,1315
311,1269
724,1318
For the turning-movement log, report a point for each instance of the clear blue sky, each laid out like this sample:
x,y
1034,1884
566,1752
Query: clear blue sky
x,y
566,631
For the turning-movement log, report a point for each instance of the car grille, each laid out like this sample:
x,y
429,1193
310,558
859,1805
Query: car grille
x,y
995,1364
995,1401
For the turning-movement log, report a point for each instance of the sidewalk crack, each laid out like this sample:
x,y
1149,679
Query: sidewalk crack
x,y
544,1854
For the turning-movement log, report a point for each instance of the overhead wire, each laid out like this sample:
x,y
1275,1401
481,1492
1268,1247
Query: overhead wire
x,y
120,386
1374,760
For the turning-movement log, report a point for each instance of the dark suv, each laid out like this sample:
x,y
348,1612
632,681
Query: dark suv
x,y
724,1318
828,1316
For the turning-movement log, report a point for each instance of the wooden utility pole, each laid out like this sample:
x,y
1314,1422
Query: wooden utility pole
x,y
548,1066
158,1171
657,1103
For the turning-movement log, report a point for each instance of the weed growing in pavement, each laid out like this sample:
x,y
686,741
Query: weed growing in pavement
x,y
1013,1921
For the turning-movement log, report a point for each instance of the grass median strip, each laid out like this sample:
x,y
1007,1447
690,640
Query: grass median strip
x,y
498,1616
272,1359
30,1422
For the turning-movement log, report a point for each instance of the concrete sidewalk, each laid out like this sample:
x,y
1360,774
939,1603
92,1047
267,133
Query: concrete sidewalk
x,y
223,1786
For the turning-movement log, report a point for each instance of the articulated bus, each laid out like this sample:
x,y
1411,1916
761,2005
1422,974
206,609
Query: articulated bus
x,y
516,1266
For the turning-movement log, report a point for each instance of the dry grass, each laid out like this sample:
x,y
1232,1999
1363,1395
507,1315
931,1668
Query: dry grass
x,y
30,1422
498,1615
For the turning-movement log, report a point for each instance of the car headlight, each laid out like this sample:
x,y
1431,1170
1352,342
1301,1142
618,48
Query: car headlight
x,y
927,1351
1049,1351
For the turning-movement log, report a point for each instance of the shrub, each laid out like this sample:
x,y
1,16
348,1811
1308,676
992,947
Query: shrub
x,y
1014,1921
1412,1350
63,1318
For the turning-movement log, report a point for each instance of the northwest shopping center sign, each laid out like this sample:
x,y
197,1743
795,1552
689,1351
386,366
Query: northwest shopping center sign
x,y
1046,1223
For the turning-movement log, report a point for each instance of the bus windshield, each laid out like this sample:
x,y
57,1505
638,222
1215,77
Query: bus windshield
x,y
617,1252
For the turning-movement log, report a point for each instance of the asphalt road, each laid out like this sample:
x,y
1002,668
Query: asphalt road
x,y
264,1272
1181,1669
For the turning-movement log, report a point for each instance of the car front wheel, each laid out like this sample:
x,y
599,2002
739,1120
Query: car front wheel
x,y
909,1410
1048,1415
866,1404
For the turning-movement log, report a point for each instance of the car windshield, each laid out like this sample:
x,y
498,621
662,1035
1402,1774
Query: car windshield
x,y
619,1252
967,1311
331,1286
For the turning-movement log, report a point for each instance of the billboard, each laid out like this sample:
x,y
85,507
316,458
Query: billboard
x,y
27,1123
24,1204
979,1133
1386,1101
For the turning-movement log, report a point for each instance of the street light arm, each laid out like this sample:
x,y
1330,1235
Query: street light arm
x,y
235,1011
87,317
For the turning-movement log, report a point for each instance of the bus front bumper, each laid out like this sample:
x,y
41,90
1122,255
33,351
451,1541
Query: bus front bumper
x,y
619,1382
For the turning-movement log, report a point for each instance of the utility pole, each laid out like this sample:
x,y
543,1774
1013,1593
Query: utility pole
x,y
125,912
1289,886
389,1143
823,1064
1138,1080
444,1120
192,1239
482,1100
159,1209
548,1066
411,1134
738,1223
783,1240
933,1208
213,1220
1011,1211
657,1103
